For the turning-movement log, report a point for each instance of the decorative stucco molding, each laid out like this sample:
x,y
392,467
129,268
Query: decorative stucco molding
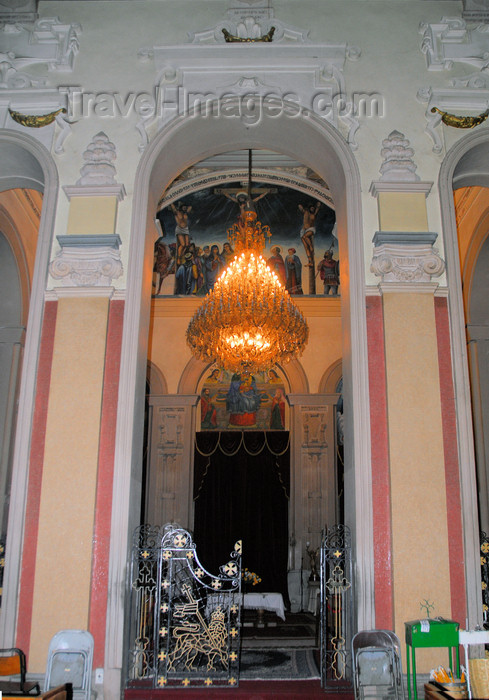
x,y
451,41
36,101
470,97
87,261
90,260
210,77
99,168
43,43
249,23
378,186
401,256
98,171
183,187
48,42
398,164
398,169
445,44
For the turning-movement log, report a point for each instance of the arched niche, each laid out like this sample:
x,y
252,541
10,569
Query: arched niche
x,y
25,164
20,167
182,143
193,373
465,165
331,377
474,236
10,232
156,380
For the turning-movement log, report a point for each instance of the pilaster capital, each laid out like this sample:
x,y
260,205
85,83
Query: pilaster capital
x,y
87,261
406,257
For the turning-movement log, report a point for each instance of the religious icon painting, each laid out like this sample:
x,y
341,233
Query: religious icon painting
x,y
231,401
193,248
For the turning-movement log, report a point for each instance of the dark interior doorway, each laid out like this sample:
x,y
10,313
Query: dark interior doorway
x,y
241,492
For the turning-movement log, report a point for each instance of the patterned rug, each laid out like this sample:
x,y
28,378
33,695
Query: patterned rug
x,y
278,664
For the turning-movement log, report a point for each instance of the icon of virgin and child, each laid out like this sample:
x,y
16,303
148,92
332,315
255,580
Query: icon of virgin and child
x,y
243,400
240,401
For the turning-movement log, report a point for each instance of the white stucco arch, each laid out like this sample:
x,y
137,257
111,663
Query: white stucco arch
x,y
27,165
464,165
185,141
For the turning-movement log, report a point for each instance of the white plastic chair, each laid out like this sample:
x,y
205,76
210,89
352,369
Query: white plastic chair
x,y
70,660
467,638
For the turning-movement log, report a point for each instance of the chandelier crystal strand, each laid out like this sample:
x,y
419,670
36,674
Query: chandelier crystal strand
x,y
248,322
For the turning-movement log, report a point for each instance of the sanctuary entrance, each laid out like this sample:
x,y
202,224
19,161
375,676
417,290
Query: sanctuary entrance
x,y
242,492
174,406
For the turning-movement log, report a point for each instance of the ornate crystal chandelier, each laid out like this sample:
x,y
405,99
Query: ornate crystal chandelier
x,y
248,322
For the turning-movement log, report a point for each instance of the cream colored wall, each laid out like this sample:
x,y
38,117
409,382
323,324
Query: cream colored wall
x,y
92,215
170,353
419,508
67,500
396,208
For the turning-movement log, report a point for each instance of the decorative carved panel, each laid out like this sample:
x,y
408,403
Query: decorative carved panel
x,y
170,459
313,466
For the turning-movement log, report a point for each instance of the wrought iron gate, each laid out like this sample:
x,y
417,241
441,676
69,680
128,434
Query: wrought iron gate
x,y
484,552
185,622
336,608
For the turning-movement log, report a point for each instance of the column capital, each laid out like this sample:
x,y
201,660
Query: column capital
x,y
87,260
406,257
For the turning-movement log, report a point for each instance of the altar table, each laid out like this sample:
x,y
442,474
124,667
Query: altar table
x,y
265,601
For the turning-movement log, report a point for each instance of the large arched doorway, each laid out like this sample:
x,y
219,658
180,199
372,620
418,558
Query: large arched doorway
x,y
321,148
28,185
463,176
19,224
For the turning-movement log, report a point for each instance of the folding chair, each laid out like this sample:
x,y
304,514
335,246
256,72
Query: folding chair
x,y
70,659
13,663
377,665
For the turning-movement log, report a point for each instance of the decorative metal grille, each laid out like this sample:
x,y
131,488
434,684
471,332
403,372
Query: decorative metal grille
x,y
144,577
186,627
336,608
485,575
2,565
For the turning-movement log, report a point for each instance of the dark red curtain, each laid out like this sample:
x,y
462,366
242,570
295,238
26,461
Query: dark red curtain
x,y
241,492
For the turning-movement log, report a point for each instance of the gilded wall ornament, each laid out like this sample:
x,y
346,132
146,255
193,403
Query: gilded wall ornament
x,y
231,38
35,121
463,122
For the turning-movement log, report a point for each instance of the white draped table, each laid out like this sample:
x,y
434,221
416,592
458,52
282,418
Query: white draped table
x,y
265,601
